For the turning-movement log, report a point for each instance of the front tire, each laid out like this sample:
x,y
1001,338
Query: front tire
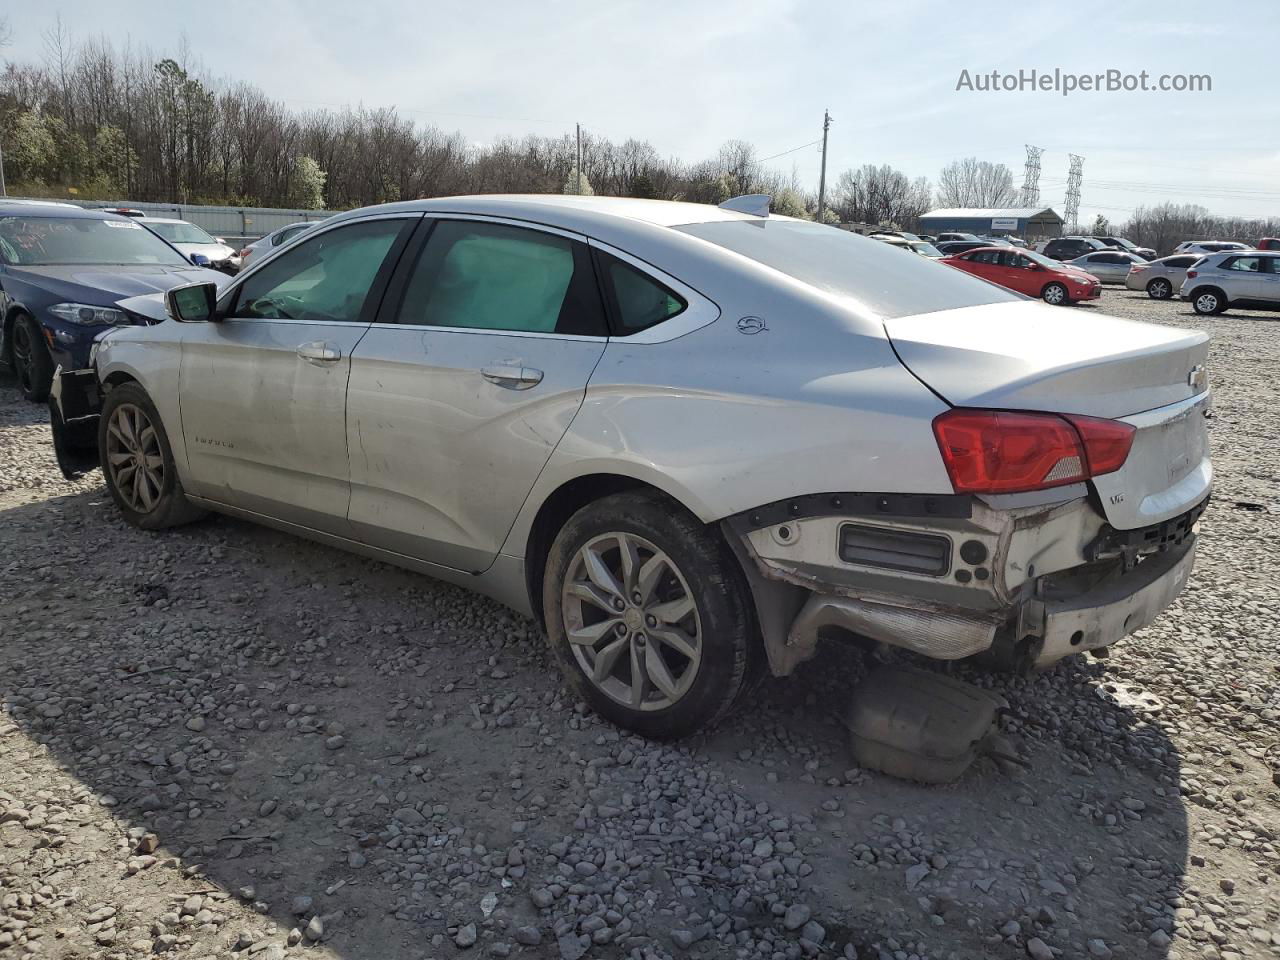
x,y
1208,302
137,462
1055,294
31,361
1159,289
649,616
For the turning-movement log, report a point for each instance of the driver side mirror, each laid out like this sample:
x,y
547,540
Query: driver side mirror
x,y
192,302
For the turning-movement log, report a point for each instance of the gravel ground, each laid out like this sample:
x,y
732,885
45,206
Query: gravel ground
x,y
225,742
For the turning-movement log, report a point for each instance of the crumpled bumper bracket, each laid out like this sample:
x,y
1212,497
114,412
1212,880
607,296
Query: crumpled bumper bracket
x,y
75,403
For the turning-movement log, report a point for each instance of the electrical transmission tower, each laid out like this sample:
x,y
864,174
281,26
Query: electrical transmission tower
x,y
1031,177
1071,211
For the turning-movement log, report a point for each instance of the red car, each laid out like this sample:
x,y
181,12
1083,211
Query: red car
x,y
1026,272
1269,243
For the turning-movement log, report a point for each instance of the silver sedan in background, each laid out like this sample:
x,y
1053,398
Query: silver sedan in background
x,y
276,238
1109,266
1161,278
689,440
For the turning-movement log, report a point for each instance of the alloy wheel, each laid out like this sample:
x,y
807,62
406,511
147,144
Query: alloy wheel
x,y
632,621
1206,303
1055,294
134,459
1160,289
23,355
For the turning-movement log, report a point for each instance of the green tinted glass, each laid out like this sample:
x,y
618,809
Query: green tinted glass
x,y
324,278
490,276
642,301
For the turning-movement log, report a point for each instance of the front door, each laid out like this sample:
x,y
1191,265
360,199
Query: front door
x,y
1270,280
263,391
458,400
1247,279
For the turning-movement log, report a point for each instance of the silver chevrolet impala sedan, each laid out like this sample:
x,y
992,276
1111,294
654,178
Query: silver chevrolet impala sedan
x,y
692,441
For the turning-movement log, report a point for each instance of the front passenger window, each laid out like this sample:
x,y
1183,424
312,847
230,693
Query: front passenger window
x,y
327,277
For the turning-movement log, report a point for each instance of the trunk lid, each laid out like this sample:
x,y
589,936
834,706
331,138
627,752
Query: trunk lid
x,y
1027,356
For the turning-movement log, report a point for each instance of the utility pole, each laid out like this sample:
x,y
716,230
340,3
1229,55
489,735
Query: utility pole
x,y
822,179
577,170
3,191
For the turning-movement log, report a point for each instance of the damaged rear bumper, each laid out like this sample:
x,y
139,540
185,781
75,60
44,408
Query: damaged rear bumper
x,y
1047,629
75,402
1024,584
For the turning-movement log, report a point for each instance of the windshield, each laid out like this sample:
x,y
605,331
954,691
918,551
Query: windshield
x,y
1040,259
180,232
926,249
843,263
1127,244
52,241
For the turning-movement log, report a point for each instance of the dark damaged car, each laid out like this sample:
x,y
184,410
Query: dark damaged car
x,y
63,273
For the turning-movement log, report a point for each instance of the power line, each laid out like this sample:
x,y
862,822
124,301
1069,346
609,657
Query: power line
x,y
811,143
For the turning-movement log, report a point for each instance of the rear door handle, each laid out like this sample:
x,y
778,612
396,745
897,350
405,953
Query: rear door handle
x,y
320,352
512,377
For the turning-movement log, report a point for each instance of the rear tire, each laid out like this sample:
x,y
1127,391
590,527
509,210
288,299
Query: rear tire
x,y
137,462
31,361
1055,294
1159,289
1208,301
664,635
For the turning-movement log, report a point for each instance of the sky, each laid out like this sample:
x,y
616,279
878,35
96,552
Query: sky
x,y
689,76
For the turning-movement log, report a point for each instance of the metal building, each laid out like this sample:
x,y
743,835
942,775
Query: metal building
x,y
1029,223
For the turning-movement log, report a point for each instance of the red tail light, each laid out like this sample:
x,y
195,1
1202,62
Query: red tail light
x,y
1191,273
244,253
1106,442
999,451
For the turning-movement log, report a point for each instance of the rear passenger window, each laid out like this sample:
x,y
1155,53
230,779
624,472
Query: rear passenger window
x,y
1244,264
491,276
639,300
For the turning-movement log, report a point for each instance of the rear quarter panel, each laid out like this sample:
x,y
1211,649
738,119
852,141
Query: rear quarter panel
x,y
724,420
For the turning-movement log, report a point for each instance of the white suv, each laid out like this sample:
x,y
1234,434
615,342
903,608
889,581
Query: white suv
x,y
1210,246
1248,280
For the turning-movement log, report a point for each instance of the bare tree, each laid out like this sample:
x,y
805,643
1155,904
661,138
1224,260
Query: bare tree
x,y
880,195
975,183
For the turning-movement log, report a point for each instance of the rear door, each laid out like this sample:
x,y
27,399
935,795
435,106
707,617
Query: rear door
x,y
263,392
459,393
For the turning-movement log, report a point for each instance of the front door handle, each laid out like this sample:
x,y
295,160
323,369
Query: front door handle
x,y
512,377
320,352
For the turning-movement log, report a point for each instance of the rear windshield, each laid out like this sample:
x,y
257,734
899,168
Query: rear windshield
x,y
846,264
50,241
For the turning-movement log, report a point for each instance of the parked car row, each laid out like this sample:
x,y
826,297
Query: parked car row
x,y
65,270
690,440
